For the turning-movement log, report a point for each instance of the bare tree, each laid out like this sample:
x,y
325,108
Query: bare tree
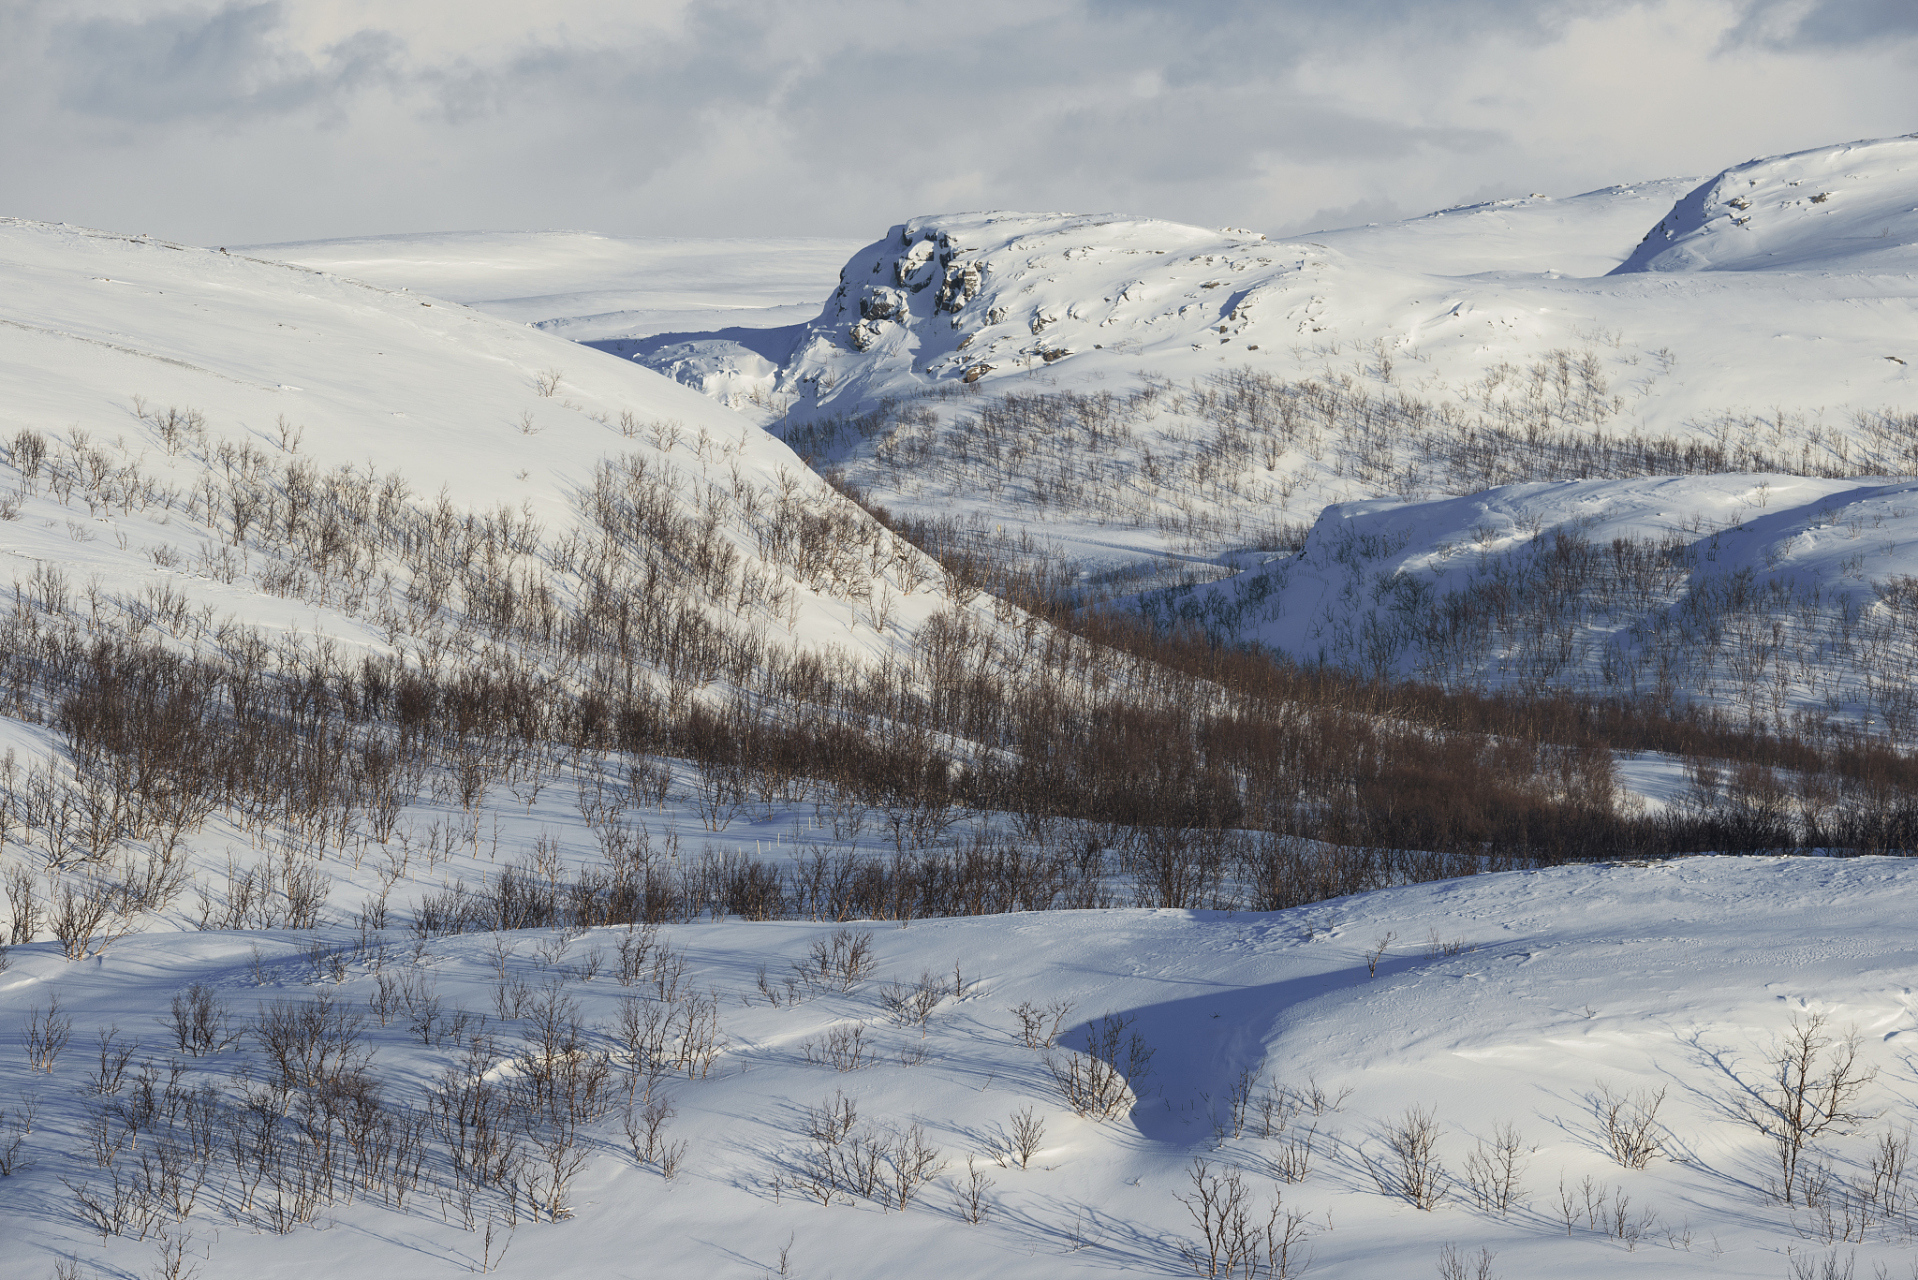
x,y
645,1129
1097,1083
1454,1265
1414,1171
1813,1083
1630,1124
840,962
973,1195
1039,1025
23,911
46,1035
1028,1132
1494,1171
202,1023
87,915
912,1003
1234,1235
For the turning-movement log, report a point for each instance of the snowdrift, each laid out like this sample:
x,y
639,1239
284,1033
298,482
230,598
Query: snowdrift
x,y
1614,1027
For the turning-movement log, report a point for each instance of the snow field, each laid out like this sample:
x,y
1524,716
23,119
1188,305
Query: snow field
x,y
238,459
1507,999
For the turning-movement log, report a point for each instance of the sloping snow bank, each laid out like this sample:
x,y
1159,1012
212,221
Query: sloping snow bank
x,y
1504,1000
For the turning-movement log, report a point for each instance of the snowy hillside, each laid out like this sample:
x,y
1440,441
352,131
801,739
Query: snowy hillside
x,y
1852,209
1408,353
217,428
1769,595
1162,404
1451,296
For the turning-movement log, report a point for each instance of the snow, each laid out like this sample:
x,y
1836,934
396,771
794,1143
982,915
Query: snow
x,y
1678,977
584,286
1850,208
1816,557
1508,998
446,397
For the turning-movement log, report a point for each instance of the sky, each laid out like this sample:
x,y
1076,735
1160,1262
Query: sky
x,y
254,122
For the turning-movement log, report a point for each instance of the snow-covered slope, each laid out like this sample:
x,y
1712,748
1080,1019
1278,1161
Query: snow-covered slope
x,y
103,335
584,286
1514,317
1771,595
1160,400
1446,298
1582,235
1515,1000
1837,209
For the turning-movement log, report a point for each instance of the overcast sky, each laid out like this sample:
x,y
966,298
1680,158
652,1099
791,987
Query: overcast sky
x,y
303,119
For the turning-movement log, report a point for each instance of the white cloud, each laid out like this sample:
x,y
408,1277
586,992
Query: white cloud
x,y
261,121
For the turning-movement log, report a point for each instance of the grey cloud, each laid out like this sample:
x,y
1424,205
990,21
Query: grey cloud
x,y
1247,33
1788,24
188,65
1195,136
839,116
1358,213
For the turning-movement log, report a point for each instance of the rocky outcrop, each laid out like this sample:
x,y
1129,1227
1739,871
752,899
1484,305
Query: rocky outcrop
x,y
962,286
881,303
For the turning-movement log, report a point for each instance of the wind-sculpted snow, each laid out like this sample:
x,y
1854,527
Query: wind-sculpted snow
x,y
694,1100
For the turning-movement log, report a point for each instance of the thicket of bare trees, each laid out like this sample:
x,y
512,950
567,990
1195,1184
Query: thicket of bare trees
x,y
1210,463
1650,620
1140,764
275,1119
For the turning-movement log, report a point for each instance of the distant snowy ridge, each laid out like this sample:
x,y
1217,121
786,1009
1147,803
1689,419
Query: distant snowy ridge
x,y
1850,208
584,286
997,300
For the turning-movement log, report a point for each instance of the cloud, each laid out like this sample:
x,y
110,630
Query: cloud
x,y
267,121
186,65
1357,214
1798,24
